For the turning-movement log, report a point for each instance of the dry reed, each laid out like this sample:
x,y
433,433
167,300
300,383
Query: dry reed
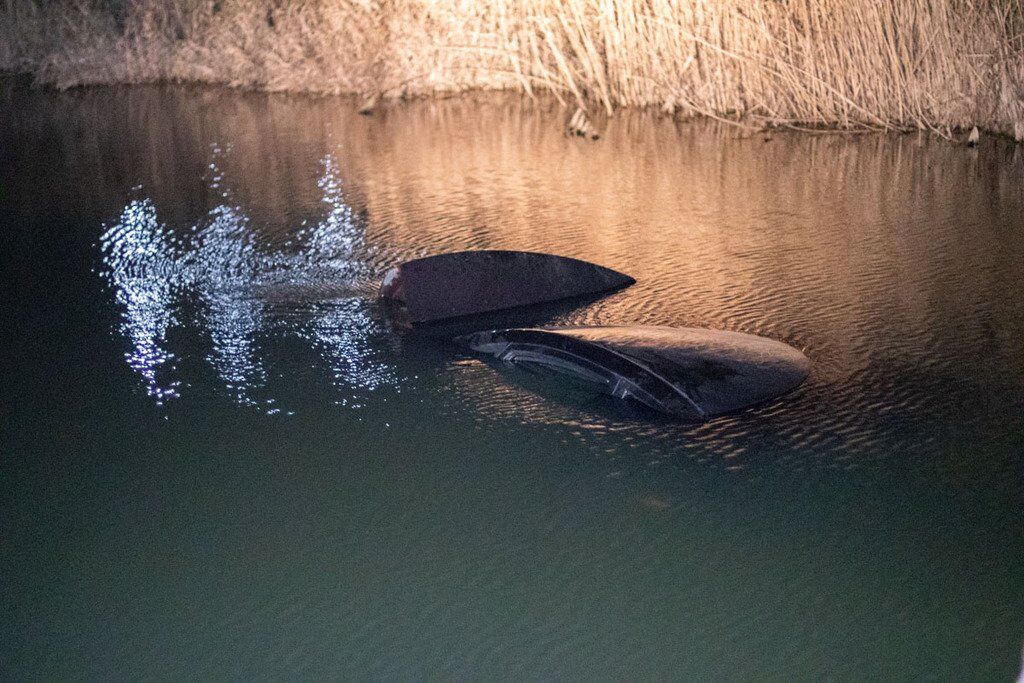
x,y
851,64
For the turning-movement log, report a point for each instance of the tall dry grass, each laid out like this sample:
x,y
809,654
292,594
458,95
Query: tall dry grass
x,y
936,64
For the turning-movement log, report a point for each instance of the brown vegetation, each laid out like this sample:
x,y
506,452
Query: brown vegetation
x,y
936,64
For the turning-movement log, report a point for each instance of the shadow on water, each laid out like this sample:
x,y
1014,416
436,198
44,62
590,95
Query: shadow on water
x,y
221,460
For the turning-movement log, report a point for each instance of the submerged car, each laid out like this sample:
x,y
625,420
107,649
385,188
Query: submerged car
x,y
447,286
689,373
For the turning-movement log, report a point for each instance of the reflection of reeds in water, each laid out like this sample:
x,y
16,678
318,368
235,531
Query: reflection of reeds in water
x,y
871,63
719,219
884,257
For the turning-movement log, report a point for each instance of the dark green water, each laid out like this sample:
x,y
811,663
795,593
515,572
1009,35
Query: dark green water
x,y
217,460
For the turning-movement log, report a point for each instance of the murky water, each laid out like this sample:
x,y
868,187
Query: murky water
x,y
219,460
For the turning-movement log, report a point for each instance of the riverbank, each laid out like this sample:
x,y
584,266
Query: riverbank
x,y
852,64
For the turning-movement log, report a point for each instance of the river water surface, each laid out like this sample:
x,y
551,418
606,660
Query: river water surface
x,y
219,460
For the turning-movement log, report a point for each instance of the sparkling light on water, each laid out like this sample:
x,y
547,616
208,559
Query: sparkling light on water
x,y
225,266
227,273
144,271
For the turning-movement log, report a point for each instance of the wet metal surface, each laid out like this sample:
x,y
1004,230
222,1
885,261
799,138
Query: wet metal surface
x,y
464,283
690,373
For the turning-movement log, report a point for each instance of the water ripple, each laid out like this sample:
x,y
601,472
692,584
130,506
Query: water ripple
x,y
238,285
854,251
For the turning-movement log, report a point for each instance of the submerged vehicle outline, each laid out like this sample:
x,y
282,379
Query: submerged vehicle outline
x,y
690,373
458,284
